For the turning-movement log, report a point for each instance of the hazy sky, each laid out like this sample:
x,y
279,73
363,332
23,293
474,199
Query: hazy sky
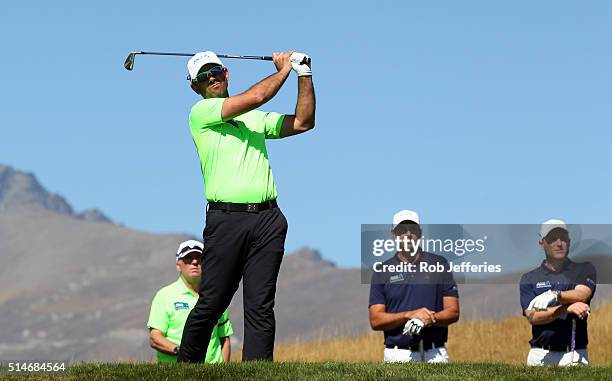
x,y
466,111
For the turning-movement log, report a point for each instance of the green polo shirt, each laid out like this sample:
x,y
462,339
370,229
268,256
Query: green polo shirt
x,y
233,154
169,310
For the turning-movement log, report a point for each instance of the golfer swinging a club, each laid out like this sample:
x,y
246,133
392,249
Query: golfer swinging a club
x,y
245,230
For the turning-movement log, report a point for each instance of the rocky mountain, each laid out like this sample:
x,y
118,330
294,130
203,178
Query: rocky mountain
x,y
19,189
76,287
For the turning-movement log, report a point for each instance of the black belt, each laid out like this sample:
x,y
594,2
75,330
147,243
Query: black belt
x,y
236,207
558,348
427,345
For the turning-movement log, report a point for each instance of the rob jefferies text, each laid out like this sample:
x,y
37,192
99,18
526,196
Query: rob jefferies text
x,y
455,248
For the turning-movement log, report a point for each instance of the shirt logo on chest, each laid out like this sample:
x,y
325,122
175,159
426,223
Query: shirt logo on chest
x,y
543,284
396,278
181,306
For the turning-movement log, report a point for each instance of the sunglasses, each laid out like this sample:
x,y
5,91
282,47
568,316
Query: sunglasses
x,y
554,235
402,229
205,75
188,259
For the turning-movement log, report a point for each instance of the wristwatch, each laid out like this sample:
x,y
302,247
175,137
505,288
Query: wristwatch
x,y
176,350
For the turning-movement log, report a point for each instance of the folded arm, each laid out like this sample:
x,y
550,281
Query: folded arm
x,y
226,348
449,313
544,317
580,293
381,320
158,341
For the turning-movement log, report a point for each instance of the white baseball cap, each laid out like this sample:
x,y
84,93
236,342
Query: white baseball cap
x,y
189,247
549,225
200,59
405,215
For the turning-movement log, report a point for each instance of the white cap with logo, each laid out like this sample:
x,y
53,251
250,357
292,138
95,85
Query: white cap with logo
x,y
549,225
200,59
189,247
405,215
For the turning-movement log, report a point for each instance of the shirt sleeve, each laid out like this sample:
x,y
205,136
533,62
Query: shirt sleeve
x,y
449,286
224,325
588,276
273,122
206,113
377,294
158,317
527,293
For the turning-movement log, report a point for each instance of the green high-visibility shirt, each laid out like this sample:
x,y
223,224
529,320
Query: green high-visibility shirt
x,y
169,310
233,154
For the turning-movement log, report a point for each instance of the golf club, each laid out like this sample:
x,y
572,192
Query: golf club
x,y
421,350
129,61
573,339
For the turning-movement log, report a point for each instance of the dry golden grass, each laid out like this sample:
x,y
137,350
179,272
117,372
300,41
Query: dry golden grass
x,y
493,341
600,336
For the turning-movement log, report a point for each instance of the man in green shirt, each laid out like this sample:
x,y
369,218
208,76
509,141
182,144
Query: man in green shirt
x,y
171,306
245,231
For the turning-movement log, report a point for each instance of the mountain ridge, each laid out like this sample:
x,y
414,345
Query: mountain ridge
x,y
19,189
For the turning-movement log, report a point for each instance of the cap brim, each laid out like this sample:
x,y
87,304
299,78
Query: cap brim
x,y
406,220
552,227
182,255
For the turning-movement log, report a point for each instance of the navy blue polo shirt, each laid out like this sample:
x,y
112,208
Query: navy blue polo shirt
x,y
542,279
407,291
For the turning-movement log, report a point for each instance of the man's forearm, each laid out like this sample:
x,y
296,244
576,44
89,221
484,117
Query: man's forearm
x,y
306,102
573,296
161,344
545,317
267,88
385,321
226,349
446,317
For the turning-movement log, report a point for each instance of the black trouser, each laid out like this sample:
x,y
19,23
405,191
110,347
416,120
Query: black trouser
x,y
238,245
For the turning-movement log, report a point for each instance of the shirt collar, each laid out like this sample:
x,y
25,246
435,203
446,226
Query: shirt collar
x,y
419,259
566,264
180,283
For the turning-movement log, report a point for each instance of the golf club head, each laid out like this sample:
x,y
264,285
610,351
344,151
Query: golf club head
x,y
129,61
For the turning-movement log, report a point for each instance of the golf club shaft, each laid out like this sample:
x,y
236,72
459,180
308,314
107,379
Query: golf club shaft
x,y
422,350
264,58
573,338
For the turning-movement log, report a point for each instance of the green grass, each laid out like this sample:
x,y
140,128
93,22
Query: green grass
x,y
317,371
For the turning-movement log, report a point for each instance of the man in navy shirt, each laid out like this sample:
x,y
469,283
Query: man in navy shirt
x,y
413,308
555,298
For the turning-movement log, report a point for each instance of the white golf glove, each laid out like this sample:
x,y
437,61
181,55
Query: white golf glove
x,y
413,327
530,306
302,69
542,301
